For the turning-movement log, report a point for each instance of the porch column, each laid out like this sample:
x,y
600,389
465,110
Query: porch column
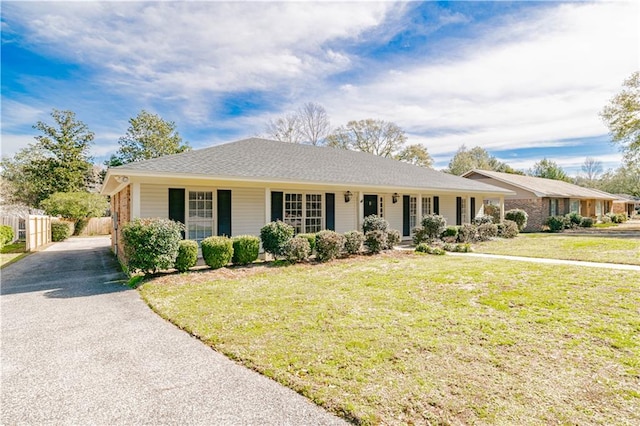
x,y
502,209
360,209
135,200
418,209
267,205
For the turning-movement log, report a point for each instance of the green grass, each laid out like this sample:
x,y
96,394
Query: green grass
x,y
410,339
567,246
12,253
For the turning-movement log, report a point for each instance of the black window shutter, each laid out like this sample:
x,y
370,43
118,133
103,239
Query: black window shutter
x,y
436,205
330,207
177,205
458,211
224,212
276,206
473,208
406,220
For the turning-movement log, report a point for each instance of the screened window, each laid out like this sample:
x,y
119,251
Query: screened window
x,y
413,212
200,215
293,211
426,205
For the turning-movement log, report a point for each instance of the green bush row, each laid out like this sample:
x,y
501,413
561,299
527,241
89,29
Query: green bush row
x,y
6,235
61,230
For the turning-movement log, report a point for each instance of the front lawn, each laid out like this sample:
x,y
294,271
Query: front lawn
x,y
409,339
12,253
567,246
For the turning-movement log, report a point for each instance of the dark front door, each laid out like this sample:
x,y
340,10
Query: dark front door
x,y
176,205
370,205
224,212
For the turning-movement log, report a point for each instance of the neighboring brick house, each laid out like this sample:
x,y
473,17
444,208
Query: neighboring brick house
x,y
626,204
542,198
236,188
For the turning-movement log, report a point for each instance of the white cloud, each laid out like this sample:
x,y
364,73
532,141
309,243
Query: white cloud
x,y
541,79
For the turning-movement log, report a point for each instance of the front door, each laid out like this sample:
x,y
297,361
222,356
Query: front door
x,y
370,205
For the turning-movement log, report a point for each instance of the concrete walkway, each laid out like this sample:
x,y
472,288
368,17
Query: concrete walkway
x,y
552,261
78,347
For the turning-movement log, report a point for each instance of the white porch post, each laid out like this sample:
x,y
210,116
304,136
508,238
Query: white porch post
x,y
501,208
135,200
267,205
418,209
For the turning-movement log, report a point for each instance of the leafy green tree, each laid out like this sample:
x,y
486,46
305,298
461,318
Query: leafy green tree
x,y
58,161
76,206
622,116
623,180
376,137
149,136
417,155
476,158
550,170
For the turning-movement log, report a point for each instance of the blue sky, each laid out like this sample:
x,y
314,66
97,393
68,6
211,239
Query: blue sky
x,y
524,80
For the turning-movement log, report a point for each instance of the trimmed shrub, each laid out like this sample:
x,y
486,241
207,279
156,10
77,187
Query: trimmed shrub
x,y
486,231
60,230
312,241
375,240
393,238
373,222
617,217
245,249
450,231
297,249
605,219
329,245
467,233
556,223
353,241
457,248
433,225
187,255
6,235
217,251
519,216
152,244
493,211
507,229
586,222
426,248
483,219
574,219
274,236
419,235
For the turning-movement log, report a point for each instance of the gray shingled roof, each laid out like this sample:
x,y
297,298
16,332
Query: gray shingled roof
x,y
266,160
543,187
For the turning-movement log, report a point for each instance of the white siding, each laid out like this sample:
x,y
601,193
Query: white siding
x,y
154,201
346,213
393,212
479,207
247,211
448,208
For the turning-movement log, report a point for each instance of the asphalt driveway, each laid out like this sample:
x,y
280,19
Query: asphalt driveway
x,y
78,347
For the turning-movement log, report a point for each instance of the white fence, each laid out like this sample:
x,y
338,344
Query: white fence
x,y
38,231
18,224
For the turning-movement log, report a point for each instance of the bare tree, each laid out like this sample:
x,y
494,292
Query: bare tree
x,y
377,137
285,129
592,168
314,123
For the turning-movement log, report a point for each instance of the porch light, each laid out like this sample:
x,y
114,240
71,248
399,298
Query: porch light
x,y
122,179
394,197
347,196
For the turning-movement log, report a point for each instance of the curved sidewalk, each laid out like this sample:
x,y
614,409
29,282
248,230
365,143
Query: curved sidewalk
x,y
79,347
552,261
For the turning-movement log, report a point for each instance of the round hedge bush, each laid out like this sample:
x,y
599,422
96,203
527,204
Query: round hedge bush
x,y
374,222
151,244
6,235
507,229
353,241
60,231
297,249
217,251
393,238
375,240
245,249
187,255
519,216
274,236
329,245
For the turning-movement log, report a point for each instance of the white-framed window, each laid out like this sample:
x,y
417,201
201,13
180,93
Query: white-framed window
x,y
381,209
304,217
200,218
413,212
426,205
463,207
553,207
598,208
313,217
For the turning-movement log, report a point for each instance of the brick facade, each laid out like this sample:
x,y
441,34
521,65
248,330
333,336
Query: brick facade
x,y
120,206
536,208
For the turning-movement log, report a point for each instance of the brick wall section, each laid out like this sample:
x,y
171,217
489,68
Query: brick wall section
x,y
120,203
536,208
